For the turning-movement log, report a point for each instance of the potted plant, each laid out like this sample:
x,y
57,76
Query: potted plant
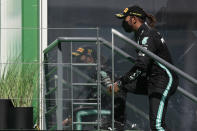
x,y
21,81
6,106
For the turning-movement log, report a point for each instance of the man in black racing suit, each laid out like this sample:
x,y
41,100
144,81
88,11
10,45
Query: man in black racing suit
x,y
159,82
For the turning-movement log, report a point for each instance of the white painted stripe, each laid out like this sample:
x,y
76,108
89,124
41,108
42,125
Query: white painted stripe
x,y
43,45
162,102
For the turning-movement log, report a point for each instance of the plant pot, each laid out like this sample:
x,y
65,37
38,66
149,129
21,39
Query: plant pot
x,y
6,108
23,118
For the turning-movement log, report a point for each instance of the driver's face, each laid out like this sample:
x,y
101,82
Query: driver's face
x,y
86,59
128,19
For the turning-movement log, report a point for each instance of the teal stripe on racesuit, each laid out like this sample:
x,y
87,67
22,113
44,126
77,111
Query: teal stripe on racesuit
x,y
161,106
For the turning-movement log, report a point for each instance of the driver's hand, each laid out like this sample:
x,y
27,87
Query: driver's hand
x,y
116,88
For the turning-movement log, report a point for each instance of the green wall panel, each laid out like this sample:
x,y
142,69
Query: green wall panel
x,y
30,32
30,44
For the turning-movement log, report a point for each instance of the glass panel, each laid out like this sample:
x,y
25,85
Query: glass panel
x,y
176,22
74,73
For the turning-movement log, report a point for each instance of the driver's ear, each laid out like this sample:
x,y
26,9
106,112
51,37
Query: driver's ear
x,y
133,19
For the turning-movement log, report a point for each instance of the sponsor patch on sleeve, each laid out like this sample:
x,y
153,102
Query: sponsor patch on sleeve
x,y
144,41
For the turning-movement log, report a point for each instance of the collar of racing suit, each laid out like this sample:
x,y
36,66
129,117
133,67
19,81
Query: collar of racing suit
x,y
141,30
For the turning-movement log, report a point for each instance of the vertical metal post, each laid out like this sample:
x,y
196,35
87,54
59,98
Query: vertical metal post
x,y
71,79
59,97
112,81
98,82
41,72
43,127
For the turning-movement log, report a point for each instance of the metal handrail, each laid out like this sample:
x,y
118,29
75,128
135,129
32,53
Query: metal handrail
x,y
86,39
109,45
155,57
69,39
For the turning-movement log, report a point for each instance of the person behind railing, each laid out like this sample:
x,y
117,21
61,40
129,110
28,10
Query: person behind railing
x,y
159,82
87,54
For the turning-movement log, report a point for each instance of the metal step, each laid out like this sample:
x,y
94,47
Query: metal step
x,y
84,64
84,99
86,123
85,104
84,84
